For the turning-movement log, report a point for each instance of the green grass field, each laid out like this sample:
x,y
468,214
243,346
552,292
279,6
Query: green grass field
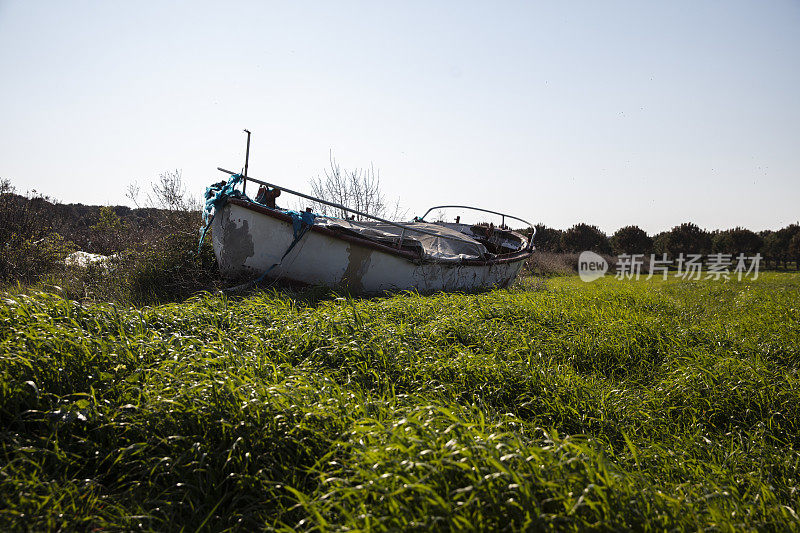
x,y
612,405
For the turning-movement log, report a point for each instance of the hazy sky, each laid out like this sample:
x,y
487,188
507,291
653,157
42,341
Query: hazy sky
x,y
611,113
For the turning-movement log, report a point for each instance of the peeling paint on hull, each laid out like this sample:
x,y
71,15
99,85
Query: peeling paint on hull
x,y
247,243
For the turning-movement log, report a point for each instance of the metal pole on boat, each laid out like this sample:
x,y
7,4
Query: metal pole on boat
x,y
246,161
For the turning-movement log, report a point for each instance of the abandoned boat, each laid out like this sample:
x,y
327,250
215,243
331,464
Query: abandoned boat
x,y
371,255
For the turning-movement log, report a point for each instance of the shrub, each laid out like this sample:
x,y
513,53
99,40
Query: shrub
x,y
27,259
171,268
109,234
156,263
155,249
159,261
29,249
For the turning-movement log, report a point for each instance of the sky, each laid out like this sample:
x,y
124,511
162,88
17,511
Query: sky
x,y
608,113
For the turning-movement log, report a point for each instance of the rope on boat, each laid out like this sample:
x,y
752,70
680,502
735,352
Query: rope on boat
x,y
216,196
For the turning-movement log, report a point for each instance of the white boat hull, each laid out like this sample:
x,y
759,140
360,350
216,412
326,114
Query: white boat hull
x,y
248,241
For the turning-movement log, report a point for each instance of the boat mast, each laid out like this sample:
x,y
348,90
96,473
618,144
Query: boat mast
x,y
246,161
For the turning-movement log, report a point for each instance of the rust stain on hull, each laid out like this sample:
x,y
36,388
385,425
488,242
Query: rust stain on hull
x,y
238,246
358,262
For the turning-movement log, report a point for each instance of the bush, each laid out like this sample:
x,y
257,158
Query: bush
x,y
171,268
29,249
29,260
109,235
154,250
158,260
156,264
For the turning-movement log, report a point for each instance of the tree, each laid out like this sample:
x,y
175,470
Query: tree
x,y
777,245
660,242
547,239
794,249
771,247
687,238
358,189
583,237
736,241
631,240
173,208
168,193
784,240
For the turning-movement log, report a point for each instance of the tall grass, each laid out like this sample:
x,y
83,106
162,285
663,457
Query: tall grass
x,y
612,405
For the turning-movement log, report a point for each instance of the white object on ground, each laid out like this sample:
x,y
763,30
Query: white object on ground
x,y
83,259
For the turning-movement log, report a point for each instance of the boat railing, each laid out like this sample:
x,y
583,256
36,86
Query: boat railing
x,y
502,223
403,227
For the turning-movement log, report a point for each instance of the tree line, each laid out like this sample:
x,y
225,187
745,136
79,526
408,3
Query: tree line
x,y
778,247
